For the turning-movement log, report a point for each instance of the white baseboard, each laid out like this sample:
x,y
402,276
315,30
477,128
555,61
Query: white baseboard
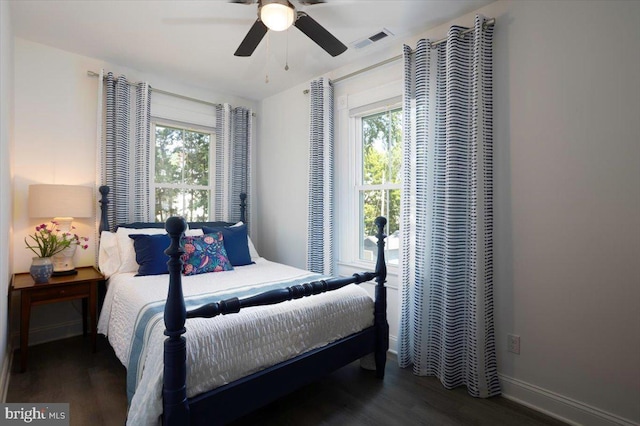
x,y
4,374
558,406
393,344
49,333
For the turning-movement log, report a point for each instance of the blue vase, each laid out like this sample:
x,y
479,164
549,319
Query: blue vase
x,y
41,269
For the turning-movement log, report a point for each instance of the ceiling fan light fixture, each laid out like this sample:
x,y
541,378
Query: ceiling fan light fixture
x,y
277,16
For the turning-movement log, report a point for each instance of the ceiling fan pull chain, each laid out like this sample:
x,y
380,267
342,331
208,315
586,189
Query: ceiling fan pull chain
x,y
266,65
286,64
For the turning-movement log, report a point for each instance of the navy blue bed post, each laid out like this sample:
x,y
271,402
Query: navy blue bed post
x,y
174,392
380,307
243,207
104,208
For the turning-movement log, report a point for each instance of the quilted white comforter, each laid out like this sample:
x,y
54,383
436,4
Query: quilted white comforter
x,y
222,349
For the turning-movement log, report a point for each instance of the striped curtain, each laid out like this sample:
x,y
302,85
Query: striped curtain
x,y
141,197
320,242
446,320
116,147
240,155
125,163
233,144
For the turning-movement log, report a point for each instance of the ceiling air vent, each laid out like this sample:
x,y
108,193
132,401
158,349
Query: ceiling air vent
x,y
371,39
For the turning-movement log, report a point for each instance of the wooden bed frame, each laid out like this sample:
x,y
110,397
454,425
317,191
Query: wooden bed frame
x,y
233,400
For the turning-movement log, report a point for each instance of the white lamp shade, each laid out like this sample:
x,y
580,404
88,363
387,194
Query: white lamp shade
x,y
60,201
276,16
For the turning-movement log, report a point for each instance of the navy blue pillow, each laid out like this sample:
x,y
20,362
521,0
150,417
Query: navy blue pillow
x,y
236,243
150,253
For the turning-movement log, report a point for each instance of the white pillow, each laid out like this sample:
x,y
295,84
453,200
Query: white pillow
x,y
108,254
125,246
193,232
252,250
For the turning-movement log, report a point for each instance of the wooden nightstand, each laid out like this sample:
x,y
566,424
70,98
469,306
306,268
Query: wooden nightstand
x,y
83,285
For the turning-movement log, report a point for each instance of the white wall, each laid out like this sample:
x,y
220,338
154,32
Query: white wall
x,y
281,172
6,135
567,199
55,140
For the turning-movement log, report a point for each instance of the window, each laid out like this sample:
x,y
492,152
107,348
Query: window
x,y
378,185
183,172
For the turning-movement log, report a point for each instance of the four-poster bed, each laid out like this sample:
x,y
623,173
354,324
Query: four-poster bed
x,y
238,396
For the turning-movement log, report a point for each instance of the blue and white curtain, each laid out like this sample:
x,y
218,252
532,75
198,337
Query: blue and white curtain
x,y
320,242
447,212
142,145
124,156
233,160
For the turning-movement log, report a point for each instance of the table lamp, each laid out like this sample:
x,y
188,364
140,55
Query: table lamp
x,y
63,203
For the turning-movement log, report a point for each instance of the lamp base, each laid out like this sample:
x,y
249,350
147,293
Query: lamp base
x,y
63,261
64,273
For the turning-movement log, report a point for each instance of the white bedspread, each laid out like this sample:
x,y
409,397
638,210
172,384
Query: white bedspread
x,y
223,349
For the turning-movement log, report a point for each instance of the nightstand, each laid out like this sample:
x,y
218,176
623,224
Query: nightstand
x,y
83,285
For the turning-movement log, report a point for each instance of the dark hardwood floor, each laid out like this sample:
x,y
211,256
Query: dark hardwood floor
x,y
94,386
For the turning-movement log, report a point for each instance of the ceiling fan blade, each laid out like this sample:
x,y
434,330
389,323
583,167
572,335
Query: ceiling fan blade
x,y
319,34
310,2
252,39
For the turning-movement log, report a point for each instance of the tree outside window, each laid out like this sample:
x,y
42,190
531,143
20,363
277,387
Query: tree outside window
x,y
182,173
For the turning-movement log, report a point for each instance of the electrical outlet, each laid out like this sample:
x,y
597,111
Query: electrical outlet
x,y
513,343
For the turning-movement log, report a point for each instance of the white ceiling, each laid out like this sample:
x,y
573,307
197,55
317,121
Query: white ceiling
x,y
194,41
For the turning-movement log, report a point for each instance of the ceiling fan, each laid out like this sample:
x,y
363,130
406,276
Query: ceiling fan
x,y
278,15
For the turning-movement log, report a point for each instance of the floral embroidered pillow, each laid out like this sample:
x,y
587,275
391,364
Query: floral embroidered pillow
x,y
204,253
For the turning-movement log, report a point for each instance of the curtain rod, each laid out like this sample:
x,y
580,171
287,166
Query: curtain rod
x,y
164,92
487,23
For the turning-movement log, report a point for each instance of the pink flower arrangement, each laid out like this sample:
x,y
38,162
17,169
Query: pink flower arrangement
x,y
49,240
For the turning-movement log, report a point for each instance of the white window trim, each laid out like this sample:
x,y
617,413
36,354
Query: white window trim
x,y
358,187
388,96
156,121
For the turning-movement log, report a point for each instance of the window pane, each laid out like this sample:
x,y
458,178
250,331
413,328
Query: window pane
x,y
374,203
182,156
169,159
192,204
196,147
381,147
182,159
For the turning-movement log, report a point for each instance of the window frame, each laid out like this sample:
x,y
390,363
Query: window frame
x,y
211,131
351,248
359,185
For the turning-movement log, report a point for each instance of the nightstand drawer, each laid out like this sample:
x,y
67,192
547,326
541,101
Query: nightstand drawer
x,y
67,291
